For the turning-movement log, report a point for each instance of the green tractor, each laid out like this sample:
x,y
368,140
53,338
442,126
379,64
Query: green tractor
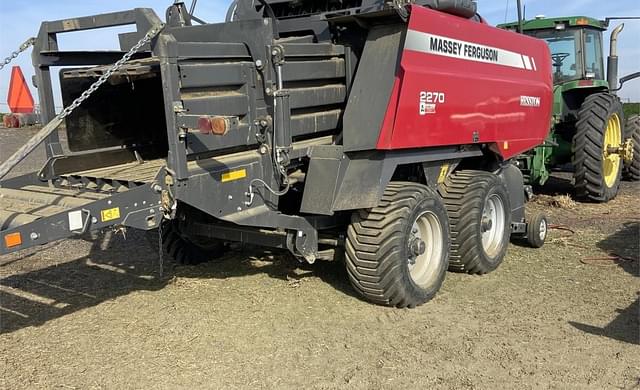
x,y
588,129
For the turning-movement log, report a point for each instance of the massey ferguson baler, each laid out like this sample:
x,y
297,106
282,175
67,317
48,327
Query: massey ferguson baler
x,y
381,130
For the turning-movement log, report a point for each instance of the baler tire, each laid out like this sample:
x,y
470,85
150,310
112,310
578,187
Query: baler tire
x,y
632,170
466,195
184,252
594,118
379,256
537,230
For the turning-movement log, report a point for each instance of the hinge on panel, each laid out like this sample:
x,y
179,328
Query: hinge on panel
x,y
178,108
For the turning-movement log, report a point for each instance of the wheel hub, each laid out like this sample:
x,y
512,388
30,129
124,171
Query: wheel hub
x,y
492,225
425,248
417,246
626,151
487,223
542,230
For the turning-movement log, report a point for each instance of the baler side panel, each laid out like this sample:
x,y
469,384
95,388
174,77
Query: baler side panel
x,y
478,84
372,88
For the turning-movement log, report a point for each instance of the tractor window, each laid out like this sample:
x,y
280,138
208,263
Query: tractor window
x,y
565,53
593,54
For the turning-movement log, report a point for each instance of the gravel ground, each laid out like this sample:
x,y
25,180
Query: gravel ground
x,y
93,312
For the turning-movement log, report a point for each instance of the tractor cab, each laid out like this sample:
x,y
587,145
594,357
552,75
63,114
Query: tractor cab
x,y
575,44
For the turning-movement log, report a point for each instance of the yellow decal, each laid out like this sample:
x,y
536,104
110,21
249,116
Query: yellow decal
x,y
110,214
234,175
443,173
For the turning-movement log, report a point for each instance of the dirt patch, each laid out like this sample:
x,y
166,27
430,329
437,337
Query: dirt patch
x,y
93,313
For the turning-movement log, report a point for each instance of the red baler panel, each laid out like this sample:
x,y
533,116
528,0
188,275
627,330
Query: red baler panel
x,y
464,82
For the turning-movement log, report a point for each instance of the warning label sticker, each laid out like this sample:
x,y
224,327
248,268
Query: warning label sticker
x,y
110,214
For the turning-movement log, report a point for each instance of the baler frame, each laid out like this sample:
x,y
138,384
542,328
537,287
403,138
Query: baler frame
x,y
263,138
302,236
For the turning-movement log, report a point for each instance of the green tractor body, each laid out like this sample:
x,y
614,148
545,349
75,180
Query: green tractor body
x,y
587,131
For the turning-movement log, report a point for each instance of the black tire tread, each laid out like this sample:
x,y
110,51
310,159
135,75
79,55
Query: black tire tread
x,y
463,194
587,146
533,231
372,245
184,252
632,170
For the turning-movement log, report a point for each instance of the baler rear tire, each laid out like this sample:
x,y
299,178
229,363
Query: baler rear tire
x,y
379,247
632,170
468,195
592,181
185,252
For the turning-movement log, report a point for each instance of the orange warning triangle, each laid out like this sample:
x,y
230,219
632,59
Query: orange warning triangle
x,y
19,99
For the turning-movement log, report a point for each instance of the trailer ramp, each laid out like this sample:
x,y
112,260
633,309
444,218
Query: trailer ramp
x,y
34,213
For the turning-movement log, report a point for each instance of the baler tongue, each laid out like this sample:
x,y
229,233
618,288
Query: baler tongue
x,y
34,213
30,203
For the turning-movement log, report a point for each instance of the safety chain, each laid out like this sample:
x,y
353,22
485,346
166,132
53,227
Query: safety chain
x,y
27,44
114,68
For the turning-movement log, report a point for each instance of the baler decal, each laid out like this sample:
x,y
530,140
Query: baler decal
x,y
233,175
464,50
109,214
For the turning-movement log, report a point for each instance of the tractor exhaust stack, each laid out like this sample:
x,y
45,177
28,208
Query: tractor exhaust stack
x,y
612,60
520,21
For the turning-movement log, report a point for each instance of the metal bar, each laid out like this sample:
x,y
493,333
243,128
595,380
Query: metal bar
x,y
112,19
177,154
45,95
81,58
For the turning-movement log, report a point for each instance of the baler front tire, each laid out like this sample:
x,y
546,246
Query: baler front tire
x,y
597,172
470,196
632,170
537,230
385,263
183,251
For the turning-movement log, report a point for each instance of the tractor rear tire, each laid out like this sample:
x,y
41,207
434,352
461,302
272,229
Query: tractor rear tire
x,y
632,170
480,215
397,253
597,172
184,251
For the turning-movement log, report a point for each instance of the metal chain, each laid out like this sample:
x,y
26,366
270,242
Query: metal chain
x,y
114,68
160,250
25,45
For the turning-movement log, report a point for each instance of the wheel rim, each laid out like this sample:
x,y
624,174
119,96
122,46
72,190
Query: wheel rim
x,y
611,161
542,232
423,268
493,225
